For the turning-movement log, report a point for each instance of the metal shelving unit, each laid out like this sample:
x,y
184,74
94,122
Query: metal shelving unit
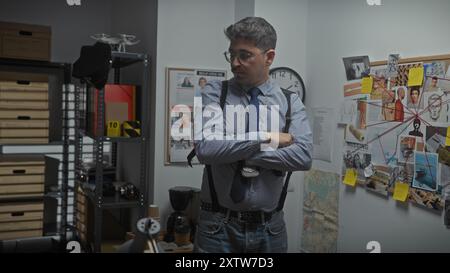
x,y
62,120
118,61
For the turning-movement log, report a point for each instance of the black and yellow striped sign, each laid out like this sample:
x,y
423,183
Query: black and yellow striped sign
x,y
132,128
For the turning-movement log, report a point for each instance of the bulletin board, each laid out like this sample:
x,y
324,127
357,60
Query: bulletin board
x,y
397,132
182,85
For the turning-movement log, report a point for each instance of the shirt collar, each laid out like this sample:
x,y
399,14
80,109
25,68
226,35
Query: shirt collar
x,y
264,87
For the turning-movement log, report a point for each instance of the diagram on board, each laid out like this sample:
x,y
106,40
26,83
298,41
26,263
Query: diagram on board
x,y
397,120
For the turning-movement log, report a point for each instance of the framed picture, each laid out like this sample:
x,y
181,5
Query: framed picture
x,y
182,85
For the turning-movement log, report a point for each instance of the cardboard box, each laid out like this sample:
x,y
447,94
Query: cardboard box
x,y
23,95
21,220
21,216
13,226
21,179
12,133
22,83
24,114
22,104
6,190
21,207
25,41
23,140
17,123
20,234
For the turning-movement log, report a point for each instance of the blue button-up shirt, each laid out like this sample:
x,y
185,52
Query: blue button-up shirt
x,y
222,154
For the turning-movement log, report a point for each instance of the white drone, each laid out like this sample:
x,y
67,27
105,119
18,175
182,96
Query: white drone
x,y
117,43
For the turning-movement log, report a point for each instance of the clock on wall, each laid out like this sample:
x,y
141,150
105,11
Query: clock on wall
x,y
288,79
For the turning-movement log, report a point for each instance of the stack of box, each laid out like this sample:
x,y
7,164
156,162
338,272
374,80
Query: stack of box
x,y
21,177
24,114
21,220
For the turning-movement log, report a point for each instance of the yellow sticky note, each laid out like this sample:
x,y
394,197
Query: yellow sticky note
x,y
415,76
401,191
366,85
447,139
350,177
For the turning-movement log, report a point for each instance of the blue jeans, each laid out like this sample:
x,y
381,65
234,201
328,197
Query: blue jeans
x,y
217,233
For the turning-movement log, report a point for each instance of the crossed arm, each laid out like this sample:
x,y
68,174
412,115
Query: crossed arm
x,y
294,152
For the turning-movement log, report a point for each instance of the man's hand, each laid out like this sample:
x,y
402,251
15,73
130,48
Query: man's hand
x,y
282,139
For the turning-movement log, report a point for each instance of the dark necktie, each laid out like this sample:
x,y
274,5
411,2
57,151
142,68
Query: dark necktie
x,y
240,183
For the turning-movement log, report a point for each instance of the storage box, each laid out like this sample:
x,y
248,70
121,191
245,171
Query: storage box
x,y
21,82
17,123
24,115
21,176
24,109
23,140
21,220
12,133
23,95
25,41
23,104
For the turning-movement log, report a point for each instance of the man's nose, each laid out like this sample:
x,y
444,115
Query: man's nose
x,y
235,62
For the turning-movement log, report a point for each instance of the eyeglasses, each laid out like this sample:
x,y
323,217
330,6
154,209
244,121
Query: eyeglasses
x,y
242,55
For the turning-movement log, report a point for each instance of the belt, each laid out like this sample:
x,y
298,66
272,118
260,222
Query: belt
x,y
251,217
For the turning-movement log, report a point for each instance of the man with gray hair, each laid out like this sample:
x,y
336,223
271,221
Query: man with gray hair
x,y
242,212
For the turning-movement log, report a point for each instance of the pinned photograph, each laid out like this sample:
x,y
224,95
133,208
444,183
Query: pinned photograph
x,y
380,82
356,157
436,107
426,199
416,128
435,143
400,102
381,180
355,132
426,171
403,73
405,172
388,105
406,147
352,89
356,67
432,84
435,69
415,102
392,65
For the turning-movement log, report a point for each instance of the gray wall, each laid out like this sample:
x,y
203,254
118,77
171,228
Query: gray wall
x,y
190,35
71,26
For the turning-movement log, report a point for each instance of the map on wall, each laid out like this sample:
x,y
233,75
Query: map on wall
x,y
320,212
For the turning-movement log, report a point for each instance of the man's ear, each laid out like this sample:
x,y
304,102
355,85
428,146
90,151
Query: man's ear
x,y
270,54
